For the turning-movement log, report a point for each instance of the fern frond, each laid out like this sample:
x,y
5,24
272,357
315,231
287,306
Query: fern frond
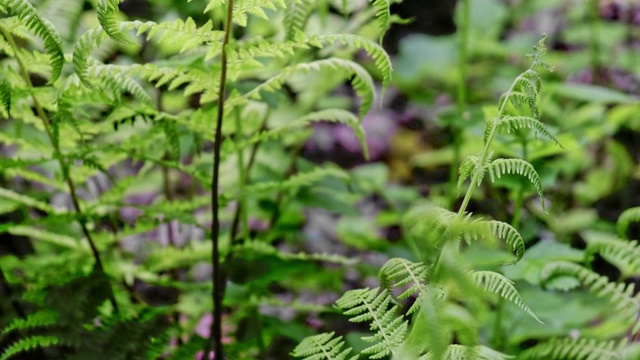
x,y
373,305
500,285
115,79
107,10
295,182
499,167
5,95
399,272
571,349
42,28
520,99
361,81
383,15
37,319
243,8
322,347
625,219
626,253
510,235
462,352
619,294
379,55
263,248
27,200
296,17
468,165
27,344
509,124
179,31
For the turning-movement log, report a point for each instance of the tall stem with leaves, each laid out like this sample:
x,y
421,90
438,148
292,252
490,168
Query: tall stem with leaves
x,y
64,165
217,277
522,96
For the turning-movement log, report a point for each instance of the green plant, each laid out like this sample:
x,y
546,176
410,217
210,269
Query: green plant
x,y
450,298
63,101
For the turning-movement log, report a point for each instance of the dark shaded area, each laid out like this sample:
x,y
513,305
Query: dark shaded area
x,y
431,17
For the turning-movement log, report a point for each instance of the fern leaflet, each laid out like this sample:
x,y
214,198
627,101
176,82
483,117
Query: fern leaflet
x,y
373,305
322,347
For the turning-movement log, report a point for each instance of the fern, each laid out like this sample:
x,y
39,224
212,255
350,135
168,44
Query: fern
x,y
5,95
107,10
399,272
626,255
38,319
373,305
321,347
500,285
42,28
461,352
625,219
570,349
383,15
499,167
28,344
620,295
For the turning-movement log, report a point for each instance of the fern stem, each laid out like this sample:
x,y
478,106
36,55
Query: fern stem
x,y
477,175
64,166
217,277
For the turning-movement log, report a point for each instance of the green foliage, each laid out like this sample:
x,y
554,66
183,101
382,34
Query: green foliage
x,y
322,346
372,305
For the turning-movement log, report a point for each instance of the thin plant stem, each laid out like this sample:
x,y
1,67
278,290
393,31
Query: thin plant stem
x,y
476,178
64,166
217,278
519,202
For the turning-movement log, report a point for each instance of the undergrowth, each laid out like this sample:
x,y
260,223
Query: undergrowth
x,y
153,192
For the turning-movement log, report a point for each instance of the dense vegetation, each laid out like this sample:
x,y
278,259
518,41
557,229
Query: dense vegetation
x,y
254,179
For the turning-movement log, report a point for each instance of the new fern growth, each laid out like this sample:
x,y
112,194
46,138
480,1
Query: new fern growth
x,y
438,285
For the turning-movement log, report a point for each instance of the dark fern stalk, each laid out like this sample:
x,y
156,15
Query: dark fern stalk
x,y
217,277
64,166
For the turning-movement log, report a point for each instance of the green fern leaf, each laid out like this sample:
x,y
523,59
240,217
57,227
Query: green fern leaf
x,y
509,124
373,305
499,167
510,235
625,219
620,295
295,182
38,319
381,58
5,96
296,17
107,10
468,165
322,347
498,284
42,28
27,344
399,272
461,352
362,81
625,254
383,15
571,349
243,8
